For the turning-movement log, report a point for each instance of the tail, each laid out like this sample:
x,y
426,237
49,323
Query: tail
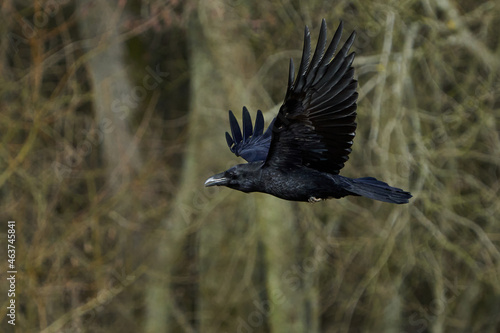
x,y
375,189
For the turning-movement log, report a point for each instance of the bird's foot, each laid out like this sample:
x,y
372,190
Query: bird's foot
x,y
313,200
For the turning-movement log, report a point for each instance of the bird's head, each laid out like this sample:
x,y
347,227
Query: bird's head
x,y
241,177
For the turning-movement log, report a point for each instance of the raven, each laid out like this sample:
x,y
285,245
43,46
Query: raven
x,y
301,153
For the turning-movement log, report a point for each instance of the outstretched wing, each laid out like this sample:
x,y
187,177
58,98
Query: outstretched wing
x,y
253,144
316,123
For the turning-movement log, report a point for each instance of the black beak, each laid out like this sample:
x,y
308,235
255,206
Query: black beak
x,y
216,180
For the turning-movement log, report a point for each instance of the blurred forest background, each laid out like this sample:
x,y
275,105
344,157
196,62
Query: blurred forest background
x,y
113,114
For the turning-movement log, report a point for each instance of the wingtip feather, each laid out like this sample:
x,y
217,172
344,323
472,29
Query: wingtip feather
x,y
247,124
304,62
259,124
235,127
291,74
230,141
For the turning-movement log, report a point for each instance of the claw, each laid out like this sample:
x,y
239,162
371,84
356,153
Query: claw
x,y
313,200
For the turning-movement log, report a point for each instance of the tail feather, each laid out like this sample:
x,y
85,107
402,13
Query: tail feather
x,y
375,189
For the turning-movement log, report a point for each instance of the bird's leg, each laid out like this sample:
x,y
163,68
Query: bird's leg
x,y
313,200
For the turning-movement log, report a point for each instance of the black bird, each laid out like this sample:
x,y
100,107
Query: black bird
x,y
300,155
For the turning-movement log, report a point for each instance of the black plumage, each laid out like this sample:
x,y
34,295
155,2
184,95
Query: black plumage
x,y
300,155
